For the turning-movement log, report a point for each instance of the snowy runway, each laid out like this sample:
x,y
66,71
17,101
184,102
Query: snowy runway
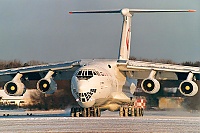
x,y
153,121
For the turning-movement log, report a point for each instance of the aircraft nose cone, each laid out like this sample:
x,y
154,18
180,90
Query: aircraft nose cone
x,y
83,91
87,104
82,88
86,96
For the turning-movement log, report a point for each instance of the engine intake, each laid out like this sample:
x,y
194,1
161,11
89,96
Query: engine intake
x,y
47,86
150,85
14,88
188,88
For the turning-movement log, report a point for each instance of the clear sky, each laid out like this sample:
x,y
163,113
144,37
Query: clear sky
x,y
43,30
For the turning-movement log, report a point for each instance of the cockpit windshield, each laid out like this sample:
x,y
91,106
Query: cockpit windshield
x,y
85,74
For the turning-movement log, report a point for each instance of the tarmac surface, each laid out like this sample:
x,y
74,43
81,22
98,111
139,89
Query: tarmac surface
x,y
59,121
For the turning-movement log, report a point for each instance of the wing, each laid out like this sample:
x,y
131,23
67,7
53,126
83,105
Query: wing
x,y
30,72
44,74
142,69
152,72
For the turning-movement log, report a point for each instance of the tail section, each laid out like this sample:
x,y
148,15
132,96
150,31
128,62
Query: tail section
x,y
124,50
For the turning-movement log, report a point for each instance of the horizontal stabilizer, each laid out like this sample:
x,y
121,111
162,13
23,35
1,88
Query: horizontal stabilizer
x,y
152,10
126,11
100,11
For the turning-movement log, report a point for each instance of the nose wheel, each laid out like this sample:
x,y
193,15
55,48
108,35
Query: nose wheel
x,y
85,112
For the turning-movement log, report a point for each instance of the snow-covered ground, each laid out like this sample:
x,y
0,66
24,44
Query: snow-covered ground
x,y
58,121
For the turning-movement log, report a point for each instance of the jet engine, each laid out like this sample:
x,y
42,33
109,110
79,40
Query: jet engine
x,y
15,87
150,85
188,88
47,85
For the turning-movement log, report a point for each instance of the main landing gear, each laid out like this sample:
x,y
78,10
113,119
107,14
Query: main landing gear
x,y
85,112
134,108
126,111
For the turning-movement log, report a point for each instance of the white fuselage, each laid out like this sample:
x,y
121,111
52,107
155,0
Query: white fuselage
x,y
101,84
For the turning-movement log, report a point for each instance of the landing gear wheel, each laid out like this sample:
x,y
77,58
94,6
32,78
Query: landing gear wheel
x,y
121,111
91,111
77,112
137,112
132,111
98,112
72,112
85,112
141,111
88,112
126,111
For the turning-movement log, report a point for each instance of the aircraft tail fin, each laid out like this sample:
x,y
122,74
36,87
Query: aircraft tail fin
x,y
124,50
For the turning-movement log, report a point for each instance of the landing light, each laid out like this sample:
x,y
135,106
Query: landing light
x,y
77,99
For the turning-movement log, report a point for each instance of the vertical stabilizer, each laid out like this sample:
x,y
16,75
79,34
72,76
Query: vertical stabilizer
x,y
124,50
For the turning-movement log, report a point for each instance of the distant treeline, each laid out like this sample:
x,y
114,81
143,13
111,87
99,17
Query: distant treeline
x,y
17,63
188,63
166,61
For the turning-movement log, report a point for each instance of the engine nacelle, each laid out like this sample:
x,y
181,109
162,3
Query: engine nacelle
x,y
14,88
47,85
188,88
150,85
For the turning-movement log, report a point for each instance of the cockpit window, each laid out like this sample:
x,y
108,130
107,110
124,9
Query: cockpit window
x,y
85,74
79,73
88,73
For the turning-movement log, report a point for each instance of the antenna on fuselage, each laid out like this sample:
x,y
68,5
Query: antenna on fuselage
x,y
124,50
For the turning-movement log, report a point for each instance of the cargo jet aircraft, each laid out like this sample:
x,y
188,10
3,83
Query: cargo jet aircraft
x,y
104,83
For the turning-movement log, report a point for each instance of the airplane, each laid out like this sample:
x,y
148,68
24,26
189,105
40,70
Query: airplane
x,y
104,84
